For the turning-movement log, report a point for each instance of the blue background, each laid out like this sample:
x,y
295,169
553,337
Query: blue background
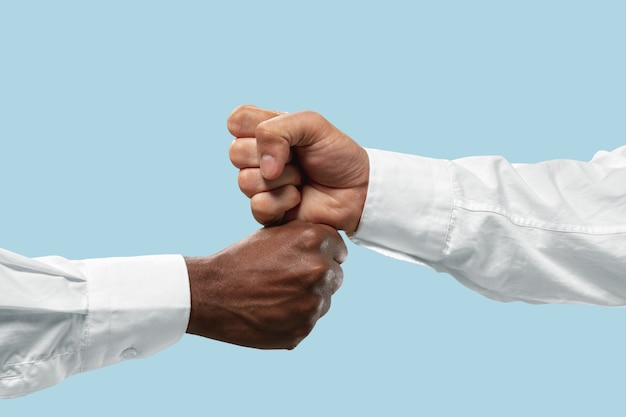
x,y
113,143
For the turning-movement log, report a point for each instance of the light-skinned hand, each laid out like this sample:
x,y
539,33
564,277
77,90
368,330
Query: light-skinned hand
x,y
298,166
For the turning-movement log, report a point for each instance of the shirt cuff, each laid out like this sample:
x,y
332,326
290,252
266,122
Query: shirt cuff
x,y
408,207
137,307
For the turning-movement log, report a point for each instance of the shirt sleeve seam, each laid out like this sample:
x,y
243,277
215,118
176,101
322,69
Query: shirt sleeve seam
x,y
86,360
87,333
11,365
451,219
538,224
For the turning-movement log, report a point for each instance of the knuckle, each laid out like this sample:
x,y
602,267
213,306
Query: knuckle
x,y
337,280
263,211
264,129
233,151
239,118
236,153
275,202
265,219
315,116
319,271
332,283
323,240
342,252
247,180
233,123
242,153
312,236
262,204
325,307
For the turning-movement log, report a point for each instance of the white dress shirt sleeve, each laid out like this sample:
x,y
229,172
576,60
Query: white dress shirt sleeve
x,y
551,232
60,317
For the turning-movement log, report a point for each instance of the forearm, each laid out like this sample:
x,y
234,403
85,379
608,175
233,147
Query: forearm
x,y
549,232
60,317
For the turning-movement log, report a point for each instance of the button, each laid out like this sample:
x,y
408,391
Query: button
x,y
129,353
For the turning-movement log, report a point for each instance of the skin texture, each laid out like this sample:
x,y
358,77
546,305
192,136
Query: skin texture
x,y
298,166
268,290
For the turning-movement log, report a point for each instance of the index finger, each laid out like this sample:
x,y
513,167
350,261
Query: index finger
x,y
243,121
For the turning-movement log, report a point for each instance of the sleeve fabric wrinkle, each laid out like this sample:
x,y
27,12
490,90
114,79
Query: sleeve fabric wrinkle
x,y
60,317
551,232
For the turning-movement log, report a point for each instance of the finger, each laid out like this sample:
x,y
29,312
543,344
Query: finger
x,y
277,135
336,279
332,281
335,246
244,119
243,153
268,207
324,306
342,251
251,181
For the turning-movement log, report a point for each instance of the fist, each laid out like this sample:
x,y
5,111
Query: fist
x,y
298,166
268,290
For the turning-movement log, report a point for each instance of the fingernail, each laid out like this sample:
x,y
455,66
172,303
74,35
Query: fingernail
x,y
267,164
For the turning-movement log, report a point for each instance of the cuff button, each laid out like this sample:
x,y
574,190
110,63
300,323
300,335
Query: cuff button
x,y
129,353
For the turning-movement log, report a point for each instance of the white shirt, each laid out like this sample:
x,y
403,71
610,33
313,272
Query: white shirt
x,y
552,232
549,232
61,317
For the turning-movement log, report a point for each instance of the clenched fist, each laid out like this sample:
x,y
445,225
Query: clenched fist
x,y
268,290
298,166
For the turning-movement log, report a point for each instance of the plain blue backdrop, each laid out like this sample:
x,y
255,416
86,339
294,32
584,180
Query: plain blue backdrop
x,y
113,143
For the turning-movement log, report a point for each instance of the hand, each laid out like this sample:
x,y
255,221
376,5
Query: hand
x,y
298,166
268,290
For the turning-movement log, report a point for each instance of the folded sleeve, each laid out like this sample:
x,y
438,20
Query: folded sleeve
x,y
60,317
551,232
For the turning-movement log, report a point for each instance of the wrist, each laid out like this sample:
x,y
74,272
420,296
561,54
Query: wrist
x,y
357,198
198,269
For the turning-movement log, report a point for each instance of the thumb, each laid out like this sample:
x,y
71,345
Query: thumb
x,y
276,136
274,150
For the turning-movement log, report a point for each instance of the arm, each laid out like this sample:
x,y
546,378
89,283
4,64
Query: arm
x,y
553,232
549,232
60,317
